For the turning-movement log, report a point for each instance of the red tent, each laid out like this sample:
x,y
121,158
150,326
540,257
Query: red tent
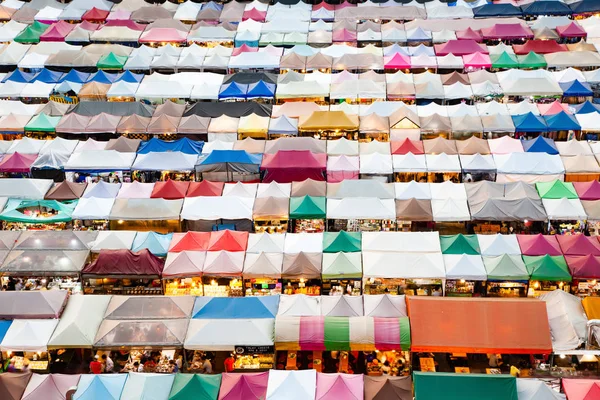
x,y
57,32
469,34
125,263
579,245
255,15
571,30
507,31
287,166
170,190
17,163
205,188
587,267
587,190
344,35
540,47
189,241
228,240
397,61
95,15
539,245
408,146
460,48
581,389
477,60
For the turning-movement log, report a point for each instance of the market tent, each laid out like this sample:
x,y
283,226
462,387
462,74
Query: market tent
x,y
341,265
28,335
547,268
292,385
13,384
299,305
556,190
334,242
189,241
141,333
235,308
14,211
539,245
227,240
66,190
156,243
105,386
184,264
581,389
44,263
50,386
149,307
505,267
464,266
568,323
384,306
459,244
128,209
585,266
342,306
216,208
113,240
125,263
564,209
361,208
539,144
388,387
335,386
293,165
532,389
403,265
579,245
205,188
144,385
195,386
247,386
430,386
225,334
32,304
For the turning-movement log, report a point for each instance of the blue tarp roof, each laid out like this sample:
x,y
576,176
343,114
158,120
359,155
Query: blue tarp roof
x,y
4,325
75,76
102,77
586,108
540,145
48,76
562,122
529,123
233,90
105,387
130,77
183,145
585,6
232,157
19,76
235,307
576,88
497,10
546,7
260,89
156,243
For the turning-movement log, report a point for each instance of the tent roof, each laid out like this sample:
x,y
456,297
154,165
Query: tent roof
x,y
123,263
459,244
505,267
105,386
235,308
141,333
33,304
469,386
13,384
29,335
547,268
195,386
388,387
538,245
221,335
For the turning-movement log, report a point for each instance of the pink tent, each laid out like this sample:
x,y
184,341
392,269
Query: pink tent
x,y
125,22
248,386
587,267
49,386
17,163
122,15
553,108
344,4
243,49
339,386
469,34
95,14
539,245
587,190
344,35
255,15
287,166
507,31
342,167
460,48
158,35
579,245
88,26
571,30
477,60
57,32
397,61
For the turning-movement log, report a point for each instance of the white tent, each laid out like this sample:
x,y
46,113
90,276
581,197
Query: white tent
x,y
165,161
464,266
299,305
213,208
403,265
409,163
274,189
79,322
30,189
303,242
28,335
385,306
341,264
361,208
442,162
292,385
535,389
26,146
265,242
259,265
418,242
573,148
135,190
113,240
240,189
100,160
412,190
450,210
184,264
223,263
477,162
528,167
564,209
146,386
497,245
59,145
342,146
342,306
225,334
567,319
93,208
448,190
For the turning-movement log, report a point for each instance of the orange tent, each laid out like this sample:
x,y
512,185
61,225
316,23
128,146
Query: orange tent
x,y
478,325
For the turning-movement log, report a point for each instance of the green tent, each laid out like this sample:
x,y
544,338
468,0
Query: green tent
x,y
42,123
195,387
307,207
13,211
504,60
547,268
532,60
448,386
342,265
507,267
334,242
32,33
111,61
556,190
460,244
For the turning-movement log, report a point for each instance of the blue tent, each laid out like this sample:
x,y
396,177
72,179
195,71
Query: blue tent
x,y
540,145
546,7
529,123
231,157
235,307
75,76
105,387
261,89
156,243
184,145
562,122
212,5
130,77
233,90
585,6
102,77
576,89
586,108
4,325
497,10
19,76
48,76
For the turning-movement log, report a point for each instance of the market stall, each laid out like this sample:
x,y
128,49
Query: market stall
x,y
547,273
271,214
109,386
37,214
25,344
204,213
342,263
392,387
13,384
465,271
145,214
248,385
263,264
229,166
302,263
307,213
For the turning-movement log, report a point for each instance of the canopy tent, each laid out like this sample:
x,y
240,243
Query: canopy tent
x,y
568,323
13,384
497,245
235,308
581,389
225,334
104,386
14,211
247,386
34,304
459,244
141,333
49,386
195,386
128,209
284,385
539,245
466,386
144,385
156,243
547,268
28,335
505,267
125,263
335,386
293,165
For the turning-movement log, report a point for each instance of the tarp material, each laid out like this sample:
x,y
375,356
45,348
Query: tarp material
x,y
235,308
430,386
547,268
336,386
34,304
388,387
341,242
13,384
581,389
539,245
247,386
125,263
195,386
293,165
459,244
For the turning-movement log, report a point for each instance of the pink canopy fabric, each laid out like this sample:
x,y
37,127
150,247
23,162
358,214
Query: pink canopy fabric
x,y
469,34
95,14
170,35
539,245
49,386
248,386
126,22
540,47
327,6
342,167
505,145
397,61
243,49
581,389
553,108
339,386
17,163
571,30
344,35
460,48
287,166
507,31
122,15
89,26
587,267
477,60
579,245
57,32
587,190
344,4
255,15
